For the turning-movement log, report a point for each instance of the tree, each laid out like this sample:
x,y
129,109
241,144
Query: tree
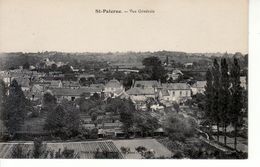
x,y
18,152
209,96
216,95
55,121
69,154
26,66
225,96
38,148
236,115
64,121
2,102
126,115
14,108
49,101
179,127
83,81
54,67
147,125
153,67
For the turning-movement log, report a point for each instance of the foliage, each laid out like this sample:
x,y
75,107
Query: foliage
x,y
14,108
147,154
125,150
64,121
49,102
38,148
154,68
179,127
106,155
147,125
18,152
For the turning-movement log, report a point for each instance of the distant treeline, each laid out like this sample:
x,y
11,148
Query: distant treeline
x,y
14,60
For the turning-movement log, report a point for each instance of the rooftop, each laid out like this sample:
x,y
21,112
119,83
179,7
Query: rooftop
x,y
74,92
114,84
140,91
176,86
146,83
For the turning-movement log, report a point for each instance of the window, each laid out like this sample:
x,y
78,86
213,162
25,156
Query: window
x,y
72,98
180,93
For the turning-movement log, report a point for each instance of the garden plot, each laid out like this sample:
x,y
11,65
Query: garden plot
x,y
150,144
86,150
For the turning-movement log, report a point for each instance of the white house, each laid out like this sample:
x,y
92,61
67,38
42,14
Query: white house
x,y
198,87
114,88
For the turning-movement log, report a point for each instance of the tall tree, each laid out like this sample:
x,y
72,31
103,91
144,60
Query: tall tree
x,y
236,115
49,102
14,108
216,95
153,66
64,121
209,97
225,96
2,101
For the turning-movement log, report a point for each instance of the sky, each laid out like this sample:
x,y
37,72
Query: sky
x,y
73,26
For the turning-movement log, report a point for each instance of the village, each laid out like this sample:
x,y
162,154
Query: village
x,y
99,100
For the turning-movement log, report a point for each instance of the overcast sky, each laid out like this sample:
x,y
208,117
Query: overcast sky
x,y
73,26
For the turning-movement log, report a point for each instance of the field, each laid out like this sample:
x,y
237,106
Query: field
x,y
86,150
150,144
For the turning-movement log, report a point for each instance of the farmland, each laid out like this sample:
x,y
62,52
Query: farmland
x,y
150,144
86,150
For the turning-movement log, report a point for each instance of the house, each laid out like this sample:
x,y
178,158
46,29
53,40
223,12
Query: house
x,y
174,75
70,84
140,94
186,65
114,88
55,84
73,94
198,87
24,82
35,93
177,92
243,82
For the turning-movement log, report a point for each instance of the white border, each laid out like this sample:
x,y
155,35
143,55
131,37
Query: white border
x,y
254,119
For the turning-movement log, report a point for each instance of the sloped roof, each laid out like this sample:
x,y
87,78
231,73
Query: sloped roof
x,y
146,83
74,92
176,71
37,87
23,82
176,86
199,84
54,83
140,91
70,84
102,86
113,83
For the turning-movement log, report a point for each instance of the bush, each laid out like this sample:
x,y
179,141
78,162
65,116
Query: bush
x,y
179,127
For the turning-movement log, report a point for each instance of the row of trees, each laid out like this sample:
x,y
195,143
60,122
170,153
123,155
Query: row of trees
x,y
224,98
